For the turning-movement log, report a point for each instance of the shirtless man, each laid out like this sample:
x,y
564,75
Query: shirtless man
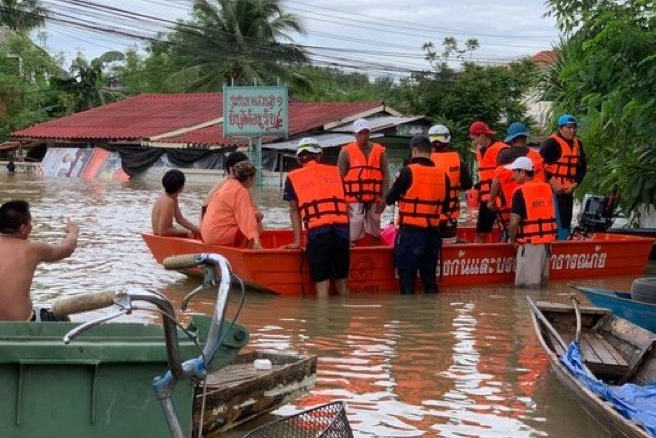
x,y
19,258
166,208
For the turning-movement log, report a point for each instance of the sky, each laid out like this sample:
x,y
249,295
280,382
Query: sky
x,y
385,35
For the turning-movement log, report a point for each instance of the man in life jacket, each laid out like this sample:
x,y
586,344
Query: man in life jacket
x,y
364,171
316,201
487,151
503,183
450,162
422,191
565,168
532,225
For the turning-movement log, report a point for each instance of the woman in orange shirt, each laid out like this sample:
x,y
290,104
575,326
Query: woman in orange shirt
x,y
232,218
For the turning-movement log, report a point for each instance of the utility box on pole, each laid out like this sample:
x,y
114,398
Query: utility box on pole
x,y
256,112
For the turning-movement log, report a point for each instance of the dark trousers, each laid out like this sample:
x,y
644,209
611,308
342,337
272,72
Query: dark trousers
x,y
417,249
565,207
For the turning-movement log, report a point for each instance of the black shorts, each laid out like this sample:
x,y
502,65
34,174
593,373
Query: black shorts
x,y
328,253
449,229
486,219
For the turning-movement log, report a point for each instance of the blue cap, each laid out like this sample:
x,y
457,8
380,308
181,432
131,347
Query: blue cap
x,y
516,129
566,119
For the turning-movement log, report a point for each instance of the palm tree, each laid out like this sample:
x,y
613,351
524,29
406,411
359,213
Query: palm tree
x,y
21,15
240,41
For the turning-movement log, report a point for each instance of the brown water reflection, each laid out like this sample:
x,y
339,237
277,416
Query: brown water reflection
x,y
464,363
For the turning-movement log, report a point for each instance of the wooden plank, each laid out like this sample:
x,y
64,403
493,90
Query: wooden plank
x,y
556,345
601,348
567,308
588,352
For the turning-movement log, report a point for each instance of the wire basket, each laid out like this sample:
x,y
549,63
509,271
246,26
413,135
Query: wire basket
x,y
326,421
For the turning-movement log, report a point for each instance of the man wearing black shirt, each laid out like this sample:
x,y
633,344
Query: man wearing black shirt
x,y
422,193
565,167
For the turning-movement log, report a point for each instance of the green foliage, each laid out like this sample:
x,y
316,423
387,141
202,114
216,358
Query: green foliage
x,y
336,85
21,15
606,74
230,41
25,97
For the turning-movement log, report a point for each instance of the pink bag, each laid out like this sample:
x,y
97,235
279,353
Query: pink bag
x,y
389,234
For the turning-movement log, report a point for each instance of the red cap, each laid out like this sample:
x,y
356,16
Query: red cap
x,y
480,128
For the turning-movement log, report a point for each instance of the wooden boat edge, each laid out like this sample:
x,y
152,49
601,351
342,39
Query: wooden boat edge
x,y
600,410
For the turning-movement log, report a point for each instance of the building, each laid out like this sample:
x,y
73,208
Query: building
x,y
139,135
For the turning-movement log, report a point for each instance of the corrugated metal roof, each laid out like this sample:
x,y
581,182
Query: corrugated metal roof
x,y
303,117
132,119
328,140
151,115
380,123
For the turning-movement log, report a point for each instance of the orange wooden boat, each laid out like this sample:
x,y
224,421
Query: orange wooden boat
x,y
285,271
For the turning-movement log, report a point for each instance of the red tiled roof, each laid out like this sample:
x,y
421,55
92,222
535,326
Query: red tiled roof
x,y
149,115
134,118
544,57
303,117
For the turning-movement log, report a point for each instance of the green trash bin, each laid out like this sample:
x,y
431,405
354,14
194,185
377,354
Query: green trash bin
x,y
99,386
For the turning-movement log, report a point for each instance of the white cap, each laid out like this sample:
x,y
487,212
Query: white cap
x,y
361,125
521,163
439,133
308,144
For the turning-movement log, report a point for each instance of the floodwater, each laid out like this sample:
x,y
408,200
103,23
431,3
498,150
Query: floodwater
x,y
464,363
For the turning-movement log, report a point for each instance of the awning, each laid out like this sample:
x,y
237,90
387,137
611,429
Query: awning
x,y
380,123
325,140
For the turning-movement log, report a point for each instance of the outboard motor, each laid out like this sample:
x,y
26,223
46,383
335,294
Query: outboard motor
x,y
596,214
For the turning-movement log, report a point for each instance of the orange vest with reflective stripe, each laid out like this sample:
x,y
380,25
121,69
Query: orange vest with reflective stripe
x,y
487,164
421,205
364,180
320,194
564,170
539,226
449,162
502,202
538,165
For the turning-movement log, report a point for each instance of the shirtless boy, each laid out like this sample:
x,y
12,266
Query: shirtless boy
x,y
19,258
166,208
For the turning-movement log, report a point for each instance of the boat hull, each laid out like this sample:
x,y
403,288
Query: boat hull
x,y
285,271
621,304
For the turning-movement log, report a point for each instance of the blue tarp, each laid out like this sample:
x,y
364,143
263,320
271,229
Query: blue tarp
x,y
635,402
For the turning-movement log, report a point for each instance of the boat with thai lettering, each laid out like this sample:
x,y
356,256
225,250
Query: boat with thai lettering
x,y
285,271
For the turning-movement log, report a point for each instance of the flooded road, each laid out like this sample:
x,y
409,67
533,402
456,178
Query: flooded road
x,y
464,363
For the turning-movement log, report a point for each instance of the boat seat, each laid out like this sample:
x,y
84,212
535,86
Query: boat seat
x,y
601,357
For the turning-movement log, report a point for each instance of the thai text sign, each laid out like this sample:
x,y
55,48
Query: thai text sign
x,y
255,111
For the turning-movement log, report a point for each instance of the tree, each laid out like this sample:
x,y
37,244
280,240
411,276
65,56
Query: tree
x,y
606,74
87,82
244,41
21,15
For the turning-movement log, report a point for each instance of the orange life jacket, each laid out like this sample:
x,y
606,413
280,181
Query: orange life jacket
x,y
320,195
539,226
421,205
487,164
449,162
503,200
565,169
538,165
364,180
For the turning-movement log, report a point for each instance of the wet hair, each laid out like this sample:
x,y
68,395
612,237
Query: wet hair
x,y
234,158
13,215
243,170
306,156
421,143
173,181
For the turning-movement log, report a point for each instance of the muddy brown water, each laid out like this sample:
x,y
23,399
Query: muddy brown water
x,y
464,363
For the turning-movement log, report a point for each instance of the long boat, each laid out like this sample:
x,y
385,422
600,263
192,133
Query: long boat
x,y
285,271
614,352
622,305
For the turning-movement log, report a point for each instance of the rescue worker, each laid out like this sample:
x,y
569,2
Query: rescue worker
x,y
422,191
316,200
565,168
487,151
532,225
363,168
460,179
503,183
